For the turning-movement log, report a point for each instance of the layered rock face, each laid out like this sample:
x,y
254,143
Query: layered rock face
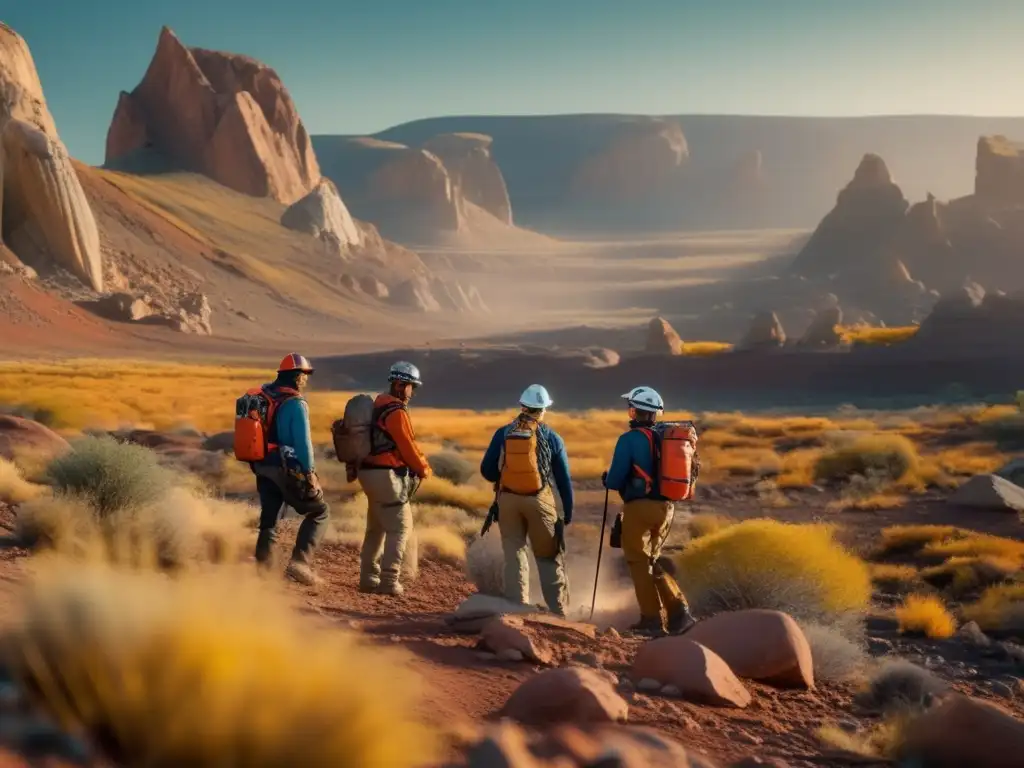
x,y
224,115
467,156
999,171
323,214
405,191
645,159
44,214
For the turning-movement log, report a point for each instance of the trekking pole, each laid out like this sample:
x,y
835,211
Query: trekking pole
x,y
600,549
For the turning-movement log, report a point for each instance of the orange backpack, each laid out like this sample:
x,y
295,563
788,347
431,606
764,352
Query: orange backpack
x,y
674,446
254,415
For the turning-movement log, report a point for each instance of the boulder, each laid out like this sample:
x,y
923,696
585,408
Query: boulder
x,y
765,332
566,696
507,632
224,115
45,216
194,315
415,294
999,171
371,286
539,637
824,329
600,357
961,731
467,156
662,338
1013,471
473,613
989,492
124,307
18,435
323,215
758,644
698,673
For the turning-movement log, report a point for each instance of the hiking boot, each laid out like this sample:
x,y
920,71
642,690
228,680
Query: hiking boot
x,y
369,587
681,621
395,590
302,573
648,628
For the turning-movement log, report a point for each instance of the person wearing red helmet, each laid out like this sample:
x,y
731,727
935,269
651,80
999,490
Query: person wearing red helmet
x,y
287,476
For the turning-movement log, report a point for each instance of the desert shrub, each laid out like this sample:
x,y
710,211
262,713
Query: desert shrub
x,y
970,544
966,574
894,577
899,685
881,741
442,544
445,516
837,658
999,609
908,539
15,489
798,569
181,527
453,467
225,644
485,565
884,456
110,475
472,498
1007,431
925,615
707,523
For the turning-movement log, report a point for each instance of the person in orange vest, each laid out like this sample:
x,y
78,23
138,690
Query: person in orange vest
x,y
646,519
287,476
388,477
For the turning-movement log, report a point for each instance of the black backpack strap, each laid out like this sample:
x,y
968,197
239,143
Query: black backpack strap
x,y
377,428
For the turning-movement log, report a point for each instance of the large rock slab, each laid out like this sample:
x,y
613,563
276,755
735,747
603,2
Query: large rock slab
x,y
566,696
989,492
18,435
44,214
323,214
224,115
467,156
662,338
758,644
695,671
962,731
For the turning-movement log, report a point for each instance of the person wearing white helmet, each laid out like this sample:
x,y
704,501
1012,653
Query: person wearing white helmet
x,y
646,517
387,477
526,460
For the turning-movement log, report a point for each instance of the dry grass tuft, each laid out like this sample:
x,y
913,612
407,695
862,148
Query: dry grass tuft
x,y
883,456
475,498
453,467
836,657
925,615
999,609
870,335
707,523
910,539
116,654
899,578
900,686
881,741
14,488
798,569
962,575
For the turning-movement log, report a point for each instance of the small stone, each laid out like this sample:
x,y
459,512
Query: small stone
x,y
588,659
971,633
625,682
612,633
689,724
510,654
647,684
879,646
1000,688
746,738
849,726
671,690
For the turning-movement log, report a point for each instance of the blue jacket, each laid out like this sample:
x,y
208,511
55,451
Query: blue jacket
x,y
491,470
633,447
291,429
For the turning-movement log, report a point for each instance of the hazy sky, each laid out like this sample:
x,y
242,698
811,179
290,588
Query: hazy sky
x,y
360,67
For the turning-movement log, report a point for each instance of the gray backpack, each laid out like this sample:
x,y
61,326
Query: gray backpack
x,y
359,434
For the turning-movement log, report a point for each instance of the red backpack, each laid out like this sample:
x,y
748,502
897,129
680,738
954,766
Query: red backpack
x,y
674,447
254,415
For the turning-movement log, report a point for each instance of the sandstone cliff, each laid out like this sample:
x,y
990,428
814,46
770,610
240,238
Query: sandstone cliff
x,y
323,214
467,156
44,214
999,171
224,115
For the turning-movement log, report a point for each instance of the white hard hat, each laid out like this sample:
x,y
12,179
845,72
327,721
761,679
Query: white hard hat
x,y
644,399
535,396
407,372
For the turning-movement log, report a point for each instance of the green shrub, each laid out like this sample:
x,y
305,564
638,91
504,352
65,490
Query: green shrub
x,y
111,476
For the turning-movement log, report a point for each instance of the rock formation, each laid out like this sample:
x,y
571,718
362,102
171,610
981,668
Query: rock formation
x,y
415,294
407,192
644,159
868,214
190,314
220,114
765,332
823,331
323,214
999,170
662,338
467,156
44,214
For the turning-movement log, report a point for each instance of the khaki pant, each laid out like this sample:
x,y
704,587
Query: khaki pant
x,y
645,525
388,526
531,519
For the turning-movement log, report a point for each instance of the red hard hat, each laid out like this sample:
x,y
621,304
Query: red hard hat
x,y
295,362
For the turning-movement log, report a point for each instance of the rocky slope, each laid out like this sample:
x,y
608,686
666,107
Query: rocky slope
x,y
467,156
45,218
225,115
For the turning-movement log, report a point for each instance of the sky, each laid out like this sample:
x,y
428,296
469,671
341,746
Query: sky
x,y
361,67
